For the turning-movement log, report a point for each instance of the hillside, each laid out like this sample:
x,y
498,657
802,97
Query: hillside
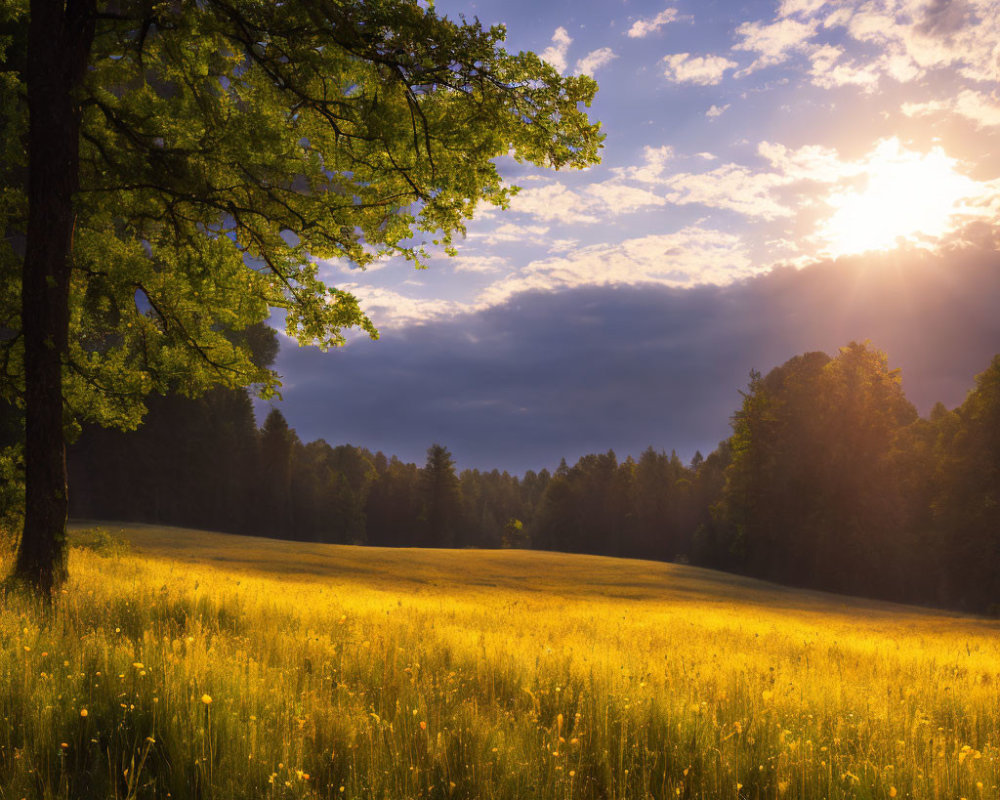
x,y
212,665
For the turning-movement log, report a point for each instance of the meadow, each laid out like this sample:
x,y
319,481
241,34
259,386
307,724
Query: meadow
x,y
181,664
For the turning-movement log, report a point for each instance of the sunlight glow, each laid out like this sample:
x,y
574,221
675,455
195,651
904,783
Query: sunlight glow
x,y
908,197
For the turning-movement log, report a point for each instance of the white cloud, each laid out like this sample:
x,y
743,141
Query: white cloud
x,y
773,42
716,111
644,27
510,232
553,203
689,257
480,264
391,309
589,204
654,162
555,53
808,163
828,72
594,60
701,70
909,38
617,198
898,40
732,187
836,204
981,109
789,7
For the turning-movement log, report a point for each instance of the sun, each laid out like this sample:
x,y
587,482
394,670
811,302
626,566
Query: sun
x,y
907,196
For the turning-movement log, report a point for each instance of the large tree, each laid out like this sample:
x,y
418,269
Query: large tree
x,y
173,170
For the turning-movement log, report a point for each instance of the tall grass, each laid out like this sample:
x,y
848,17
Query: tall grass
x,y
208,666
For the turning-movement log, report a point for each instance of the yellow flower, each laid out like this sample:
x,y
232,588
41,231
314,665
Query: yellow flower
x,y
423,725
138,665
206,699
892,791
83,712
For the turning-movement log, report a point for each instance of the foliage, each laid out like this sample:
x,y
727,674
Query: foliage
x,y
229,149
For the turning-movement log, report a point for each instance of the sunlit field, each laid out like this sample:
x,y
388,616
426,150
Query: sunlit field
x,y
212,666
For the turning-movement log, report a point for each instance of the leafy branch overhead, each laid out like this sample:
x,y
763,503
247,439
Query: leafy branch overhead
x,y
226,147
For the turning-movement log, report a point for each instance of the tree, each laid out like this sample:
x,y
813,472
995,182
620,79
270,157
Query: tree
x,y
442,500
277,445
812,496
174,170
967,502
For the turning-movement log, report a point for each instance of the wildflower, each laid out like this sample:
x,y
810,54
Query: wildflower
x,y
138,665
423,725
64,745
892,791
83,712
206,699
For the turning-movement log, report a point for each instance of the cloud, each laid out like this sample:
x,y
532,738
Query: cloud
x,y
482,384
478,264
716,111
556,203
644,27
979,108
828,72
555,53
691,256
618,198
832,204
790,7
510,232
553,203
867,42
700,70
732,187
594,60
773,42
391,309
654,162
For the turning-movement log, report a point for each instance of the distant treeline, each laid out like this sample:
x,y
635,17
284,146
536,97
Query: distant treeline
x,y
830,480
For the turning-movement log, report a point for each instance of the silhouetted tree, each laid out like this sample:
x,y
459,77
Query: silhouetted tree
x,y
441,498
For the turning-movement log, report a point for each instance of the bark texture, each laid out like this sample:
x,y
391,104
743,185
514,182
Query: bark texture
x,y
59,39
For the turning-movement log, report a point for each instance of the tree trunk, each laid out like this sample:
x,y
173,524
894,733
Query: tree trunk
x,y
59,39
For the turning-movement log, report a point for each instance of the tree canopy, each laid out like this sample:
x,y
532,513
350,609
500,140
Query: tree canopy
x,y
174,171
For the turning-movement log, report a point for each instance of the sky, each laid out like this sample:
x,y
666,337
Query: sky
x,y
776,177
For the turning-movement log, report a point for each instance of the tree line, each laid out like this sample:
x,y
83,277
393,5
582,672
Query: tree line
x,y
830,480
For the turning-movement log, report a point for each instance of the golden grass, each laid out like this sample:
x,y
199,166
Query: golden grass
x,y
227,667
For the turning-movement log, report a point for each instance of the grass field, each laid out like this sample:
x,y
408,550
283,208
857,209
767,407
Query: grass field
x,y
213,666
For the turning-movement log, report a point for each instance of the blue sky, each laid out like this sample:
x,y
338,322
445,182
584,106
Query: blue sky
x,y
749,146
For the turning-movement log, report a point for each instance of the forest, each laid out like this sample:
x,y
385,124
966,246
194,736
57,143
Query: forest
x,y
830,480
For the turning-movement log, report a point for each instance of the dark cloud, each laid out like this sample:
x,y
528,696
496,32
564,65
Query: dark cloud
x,y
558,374
942,18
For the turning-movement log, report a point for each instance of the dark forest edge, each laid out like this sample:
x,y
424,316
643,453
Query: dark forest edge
x,y
830,480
